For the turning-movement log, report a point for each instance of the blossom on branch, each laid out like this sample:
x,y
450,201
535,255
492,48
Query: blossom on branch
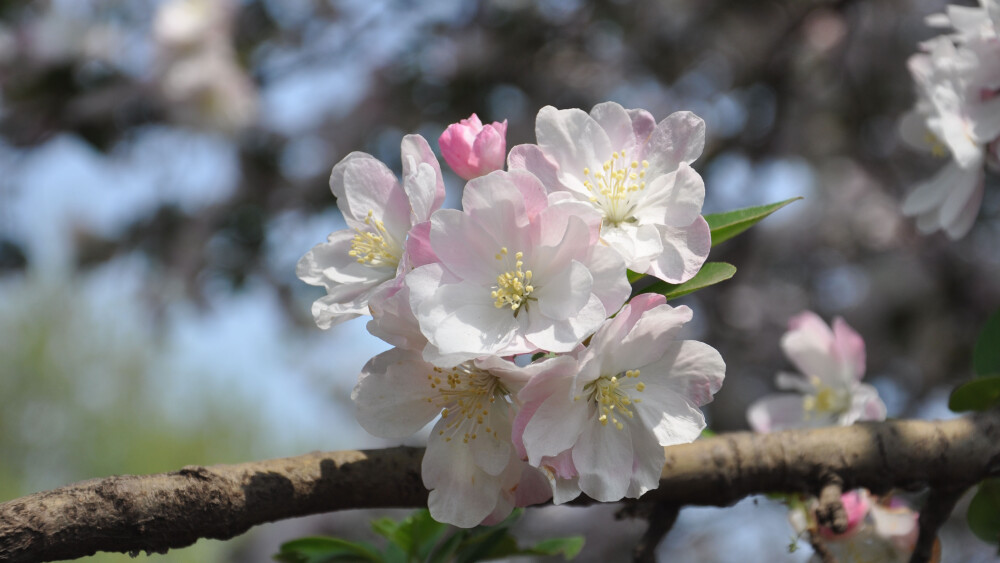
x,y
518,271
957,115
829,390
472,149
633,171
357,262
636,389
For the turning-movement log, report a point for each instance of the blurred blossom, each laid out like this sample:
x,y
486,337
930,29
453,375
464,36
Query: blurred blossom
x,y
198,73
472,149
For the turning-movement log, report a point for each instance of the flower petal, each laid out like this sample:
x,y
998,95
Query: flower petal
x,y
678,138
603,457
391,395
685,250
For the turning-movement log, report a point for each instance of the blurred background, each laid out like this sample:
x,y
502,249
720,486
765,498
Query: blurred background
x,y
163,165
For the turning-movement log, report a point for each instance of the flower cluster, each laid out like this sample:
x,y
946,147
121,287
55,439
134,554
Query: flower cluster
x,y
534,266
830,393
957,115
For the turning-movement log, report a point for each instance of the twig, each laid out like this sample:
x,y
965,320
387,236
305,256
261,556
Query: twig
x,y
933,515
830,513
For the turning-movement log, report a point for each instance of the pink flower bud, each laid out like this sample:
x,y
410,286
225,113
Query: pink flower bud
x,y
473,149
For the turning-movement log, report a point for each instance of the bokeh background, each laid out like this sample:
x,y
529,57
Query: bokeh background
x,y
163,165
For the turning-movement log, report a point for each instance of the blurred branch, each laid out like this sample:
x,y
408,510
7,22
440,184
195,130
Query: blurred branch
x,y
154,513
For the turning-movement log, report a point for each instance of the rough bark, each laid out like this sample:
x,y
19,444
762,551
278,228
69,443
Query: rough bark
x,y
158,512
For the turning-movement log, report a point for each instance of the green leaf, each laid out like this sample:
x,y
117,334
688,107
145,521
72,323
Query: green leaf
x,y
984,511
634,276
708,433
323,550
986,355
728,224
567,547
446,551
424,533
710,274
480,548
976,395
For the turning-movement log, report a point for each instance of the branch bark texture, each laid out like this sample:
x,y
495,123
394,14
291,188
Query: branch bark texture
x,y
154,513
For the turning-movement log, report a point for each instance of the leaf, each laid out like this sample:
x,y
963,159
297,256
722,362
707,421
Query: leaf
x,y
728,224
986,355
567,547
323,550
481,547
984,511
634,276
976,395
424,533
710,274
446,551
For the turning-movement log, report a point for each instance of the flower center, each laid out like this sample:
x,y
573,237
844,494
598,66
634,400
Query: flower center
x,y
513,286
466,395
611,188
826,400
376,248
611,393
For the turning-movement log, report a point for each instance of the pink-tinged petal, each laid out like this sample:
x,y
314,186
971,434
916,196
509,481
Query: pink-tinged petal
x,y
865,405
849,347
616,123
491,451
637,245
391,395
465,248
674,419
549,262
327,311
534,160
930,194
328,264
392,318
644,343
368,185
535,199
610,280
461,318
496,205
962,222
774,413
562,336
416,152
898,524
643,124
678,138
685,250
533,488
550,420
573,139
560,209
603,457
418,245
961,193
461,494
810,346
564,490
337,174
648,463
673,199
490,148
565,293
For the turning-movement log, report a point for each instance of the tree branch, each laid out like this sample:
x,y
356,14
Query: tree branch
x,y
157,512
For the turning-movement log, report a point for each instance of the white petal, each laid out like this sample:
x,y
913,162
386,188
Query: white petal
x,y
648,464
461,318
610,280
465,248
563,336
565,293
534,160
603,457
573,139
678,138
461,493
774,413
685,250
673,199
391,395
416,152
555,419
616,124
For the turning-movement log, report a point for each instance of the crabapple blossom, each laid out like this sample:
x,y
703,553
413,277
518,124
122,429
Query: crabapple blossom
x,y
470,465
882,530
633,171
636,389
355,263
472,149
957,115
829,391
518,271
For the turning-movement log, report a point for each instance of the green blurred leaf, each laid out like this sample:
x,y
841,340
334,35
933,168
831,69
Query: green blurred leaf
x,y
976,395
481,547
710,274
708,433
634,276
446,551
728,224
424,533
567,547
323,550
986,355
984,511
